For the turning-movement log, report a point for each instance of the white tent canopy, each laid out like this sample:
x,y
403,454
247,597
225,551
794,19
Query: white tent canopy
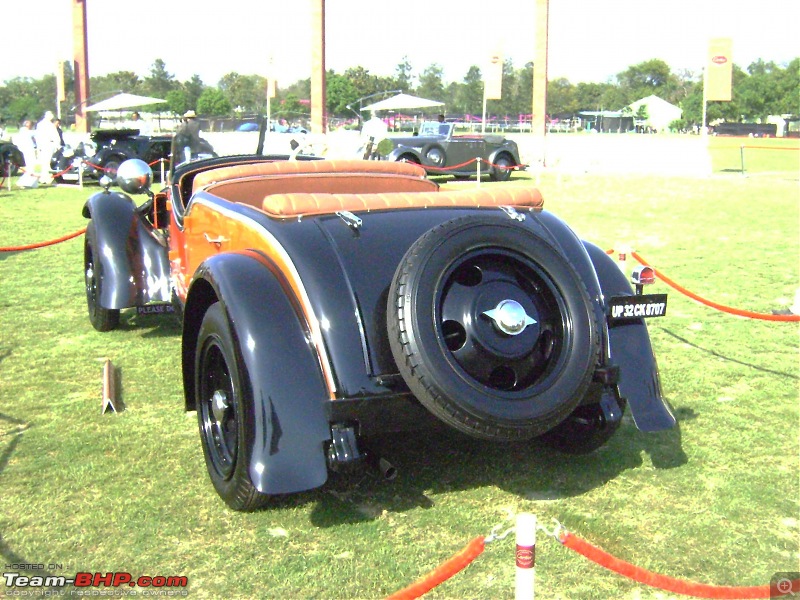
x,y
123,101
402,102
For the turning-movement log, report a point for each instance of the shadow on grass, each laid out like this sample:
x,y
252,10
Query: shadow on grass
x,y
445,461
7,554
150,326
729,358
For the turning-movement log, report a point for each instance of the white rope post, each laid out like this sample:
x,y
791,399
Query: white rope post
x,y
526,556
478,170
162,161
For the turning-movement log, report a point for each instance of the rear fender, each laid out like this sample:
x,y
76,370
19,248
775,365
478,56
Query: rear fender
x,y
630,349
135,261
278,363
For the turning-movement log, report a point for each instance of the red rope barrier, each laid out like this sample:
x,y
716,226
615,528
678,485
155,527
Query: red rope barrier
x,y
454,167
69,236
475,160
721,307
689,588
443,572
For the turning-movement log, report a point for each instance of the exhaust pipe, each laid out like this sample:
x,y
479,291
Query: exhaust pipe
x,y
387,470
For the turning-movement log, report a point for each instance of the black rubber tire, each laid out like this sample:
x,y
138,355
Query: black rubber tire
x,y
224,406
498,173
111,167
455,359
584,431
436,149
410,158
102,319
11,161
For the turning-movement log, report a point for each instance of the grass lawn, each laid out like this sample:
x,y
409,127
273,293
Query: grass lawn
x,y
715,500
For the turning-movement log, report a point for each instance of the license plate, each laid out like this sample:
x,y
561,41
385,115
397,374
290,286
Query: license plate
x,y
155,309
70,177
624,308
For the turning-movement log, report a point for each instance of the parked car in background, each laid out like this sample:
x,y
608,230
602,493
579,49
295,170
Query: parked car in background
x,y
441,152
106,151
11,159
326,301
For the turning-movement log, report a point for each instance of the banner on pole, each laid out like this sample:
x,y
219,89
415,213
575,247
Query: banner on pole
x,y
61,93
719,70
493,79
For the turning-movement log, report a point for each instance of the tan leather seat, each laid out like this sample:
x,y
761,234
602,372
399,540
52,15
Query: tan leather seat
x,y
288,167
249,183
302,204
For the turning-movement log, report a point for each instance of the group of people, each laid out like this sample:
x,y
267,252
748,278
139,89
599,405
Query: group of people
x,y
38,146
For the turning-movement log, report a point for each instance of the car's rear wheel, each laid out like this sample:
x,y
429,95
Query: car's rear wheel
x,y
10,161
501,170
226,429
111,167
102,319
492,328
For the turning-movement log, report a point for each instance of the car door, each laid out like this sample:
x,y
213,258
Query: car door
x,y
464,149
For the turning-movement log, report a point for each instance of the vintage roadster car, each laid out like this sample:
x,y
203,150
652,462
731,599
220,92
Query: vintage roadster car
x,y
326,301
106,151
441,152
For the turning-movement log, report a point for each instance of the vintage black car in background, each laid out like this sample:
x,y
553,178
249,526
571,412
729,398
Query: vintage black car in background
x,y
106,151
325,301
11,159
441,152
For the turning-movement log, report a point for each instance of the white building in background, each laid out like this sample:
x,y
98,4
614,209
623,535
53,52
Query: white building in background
x,y
660,113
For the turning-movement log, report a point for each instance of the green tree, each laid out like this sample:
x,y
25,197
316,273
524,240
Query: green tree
x,y
290,107
247,92
431,84
340,92
507,105
561,97
178,102
192,90
651,77
19,101
469,98
160,81
213,103
402,77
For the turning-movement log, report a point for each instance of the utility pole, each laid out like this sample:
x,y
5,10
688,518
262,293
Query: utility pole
x,y
318,97
80,65
539,108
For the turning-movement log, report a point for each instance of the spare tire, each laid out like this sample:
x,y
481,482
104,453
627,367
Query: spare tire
x,y
492,328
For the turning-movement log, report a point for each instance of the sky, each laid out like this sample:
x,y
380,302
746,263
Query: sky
x,y
590,40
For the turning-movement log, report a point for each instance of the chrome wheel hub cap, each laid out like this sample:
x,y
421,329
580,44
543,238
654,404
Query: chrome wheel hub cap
x,y
219,404
510,317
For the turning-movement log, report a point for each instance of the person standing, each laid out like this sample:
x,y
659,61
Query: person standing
x,y
47,142
24,140
186,142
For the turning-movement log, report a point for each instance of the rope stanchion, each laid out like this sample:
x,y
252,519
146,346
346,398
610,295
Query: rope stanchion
x,y
716,305
678,586
443,572
64,238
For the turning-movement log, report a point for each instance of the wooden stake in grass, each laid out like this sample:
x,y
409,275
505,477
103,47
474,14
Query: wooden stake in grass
x,y
110,400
